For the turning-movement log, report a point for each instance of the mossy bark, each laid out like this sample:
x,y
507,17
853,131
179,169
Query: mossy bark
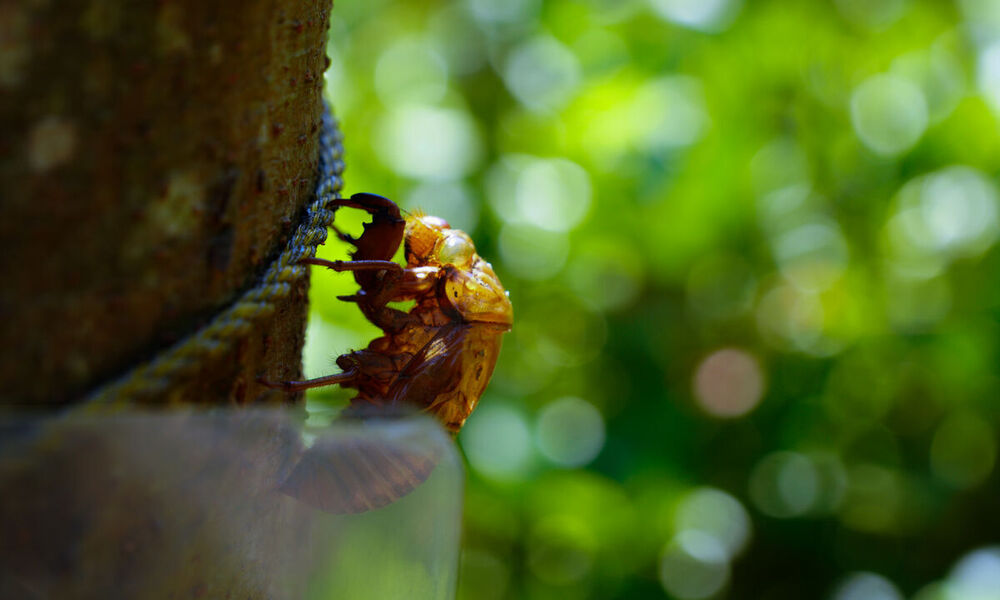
x,y
154,158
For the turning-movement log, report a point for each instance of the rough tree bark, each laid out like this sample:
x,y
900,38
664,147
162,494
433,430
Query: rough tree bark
x,y
154,157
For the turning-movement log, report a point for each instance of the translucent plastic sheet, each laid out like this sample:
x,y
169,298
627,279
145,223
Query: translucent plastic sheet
x,y
227,504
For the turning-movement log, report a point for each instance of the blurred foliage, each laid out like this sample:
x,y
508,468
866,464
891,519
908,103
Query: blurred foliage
x,y
752,252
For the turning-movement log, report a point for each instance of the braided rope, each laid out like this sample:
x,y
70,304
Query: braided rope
x,y
215,338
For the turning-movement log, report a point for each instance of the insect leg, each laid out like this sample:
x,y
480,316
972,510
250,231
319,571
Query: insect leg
x,y
406,284
386,318
373,301
298,386
343,236
382,236
379,206
353,265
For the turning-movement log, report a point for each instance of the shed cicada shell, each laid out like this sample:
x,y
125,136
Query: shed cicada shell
x,y
436,358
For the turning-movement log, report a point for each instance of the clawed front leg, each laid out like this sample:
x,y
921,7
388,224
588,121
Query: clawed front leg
x,y
379,206
383,235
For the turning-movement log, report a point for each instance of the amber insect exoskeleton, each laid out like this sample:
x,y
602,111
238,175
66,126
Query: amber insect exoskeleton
x,y
438,357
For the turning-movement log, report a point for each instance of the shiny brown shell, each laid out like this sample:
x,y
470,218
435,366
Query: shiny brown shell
x,y
436,358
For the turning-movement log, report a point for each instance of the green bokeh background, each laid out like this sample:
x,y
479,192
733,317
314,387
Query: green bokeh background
x,y
751,250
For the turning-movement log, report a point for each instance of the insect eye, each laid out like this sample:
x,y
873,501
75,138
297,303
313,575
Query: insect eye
x,y
456,250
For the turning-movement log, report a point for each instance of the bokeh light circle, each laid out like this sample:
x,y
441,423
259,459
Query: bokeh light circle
x,y
531,252
958,211
717,514
963,450
669,112
502,11
792,484
812,256
694,566
553,194
988,74
428,142
791,318
702,15
873,14
570,432
976,576
940,217
446,198
874,498
866,586
889,113
939,72
497,442
411,71
728,383
542,73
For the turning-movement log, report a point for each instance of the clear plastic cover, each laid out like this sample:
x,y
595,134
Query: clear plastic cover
x,y
227,504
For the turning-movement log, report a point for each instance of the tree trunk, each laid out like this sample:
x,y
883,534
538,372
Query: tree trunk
x,y
153,161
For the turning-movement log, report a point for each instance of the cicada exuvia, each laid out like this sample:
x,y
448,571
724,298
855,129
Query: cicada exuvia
x,y
437,357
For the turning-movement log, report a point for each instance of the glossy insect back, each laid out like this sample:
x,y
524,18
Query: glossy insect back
x,y
436,358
